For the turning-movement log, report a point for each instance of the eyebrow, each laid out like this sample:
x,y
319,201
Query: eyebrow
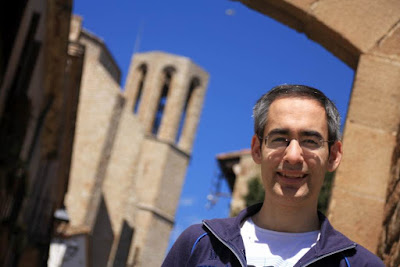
x,y
279,131
311,133
282,131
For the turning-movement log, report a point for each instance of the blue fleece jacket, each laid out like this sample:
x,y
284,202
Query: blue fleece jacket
x,y
218,242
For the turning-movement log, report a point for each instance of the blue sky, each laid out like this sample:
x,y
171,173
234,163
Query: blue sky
x,y
245,53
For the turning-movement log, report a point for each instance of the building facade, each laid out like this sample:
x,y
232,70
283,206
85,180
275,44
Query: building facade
x,y
238,168
131,150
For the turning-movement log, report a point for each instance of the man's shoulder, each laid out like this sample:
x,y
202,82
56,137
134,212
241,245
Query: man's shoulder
x,y
356,254
183,247
360,256
364,257
192,232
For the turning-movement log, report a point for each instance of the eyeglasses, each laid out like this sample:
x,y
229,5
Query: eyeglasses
x,y
306,142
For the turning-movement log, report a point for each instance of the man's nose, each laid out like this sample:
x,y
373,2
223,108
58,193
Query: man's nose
x,y
293,153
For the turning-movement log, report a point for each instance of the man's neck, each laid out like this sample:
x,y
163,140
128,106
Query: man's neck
x,y
287,218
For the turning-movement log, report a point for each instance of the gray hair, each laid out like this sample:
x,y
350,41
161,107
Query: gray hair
x,y
261,108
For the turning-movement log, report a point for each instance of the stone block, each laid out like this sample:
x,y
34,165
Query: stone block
x,y
389,45
143,220
362,22
119,178
376,94
153,242
358,216
75,28
151,165
291,13
171,182
367,156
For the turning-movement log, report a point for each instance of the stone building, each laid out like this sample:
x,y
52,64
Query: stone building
x,y
238,168
365,35
131,151
40,73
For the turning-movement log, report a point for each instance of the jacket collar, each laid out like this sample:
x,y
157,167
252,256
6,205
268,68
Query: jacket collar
x,y
229,228
330,240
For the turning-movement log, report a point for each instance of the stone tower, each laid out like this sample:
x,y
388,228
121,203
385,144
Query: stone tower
x,y
166,92
131,151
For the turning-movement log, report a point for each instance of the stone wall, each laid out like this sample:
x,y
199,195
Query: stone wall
x,y
98,103
158,191
38,98
389,245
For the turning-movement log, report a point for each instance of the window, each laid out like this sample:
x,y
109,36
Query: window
x,y
143,72
124,244
163,99
194,83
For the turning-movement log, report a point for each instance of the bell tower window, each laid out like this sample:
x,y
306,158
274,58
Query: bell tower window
x,y
168,72
143,72
194,83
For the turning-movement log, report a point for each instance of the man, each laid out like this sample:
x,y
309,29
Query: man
x,y
296,141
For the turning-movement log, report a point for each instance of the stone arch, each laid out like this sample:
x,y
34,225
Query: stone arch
x,y
366,36
346,29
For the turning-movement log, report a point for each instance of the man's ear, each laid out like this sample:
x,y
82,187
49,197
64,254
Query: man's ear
x,y
256,149
335,156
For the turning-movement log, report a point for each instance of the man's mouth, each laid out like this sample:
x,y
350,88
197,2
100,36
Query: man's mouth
x,y
292,175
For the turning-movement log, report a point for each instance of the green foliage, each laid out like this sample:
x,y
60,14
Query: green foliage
x,y
255,192
325,194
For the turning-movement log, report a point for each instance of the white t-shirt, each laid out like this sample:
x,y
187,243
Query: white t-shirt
x,y
269,248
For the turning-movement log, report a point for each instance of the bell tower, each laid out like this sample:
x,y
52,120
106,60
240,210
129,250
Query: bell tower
x,y
166,92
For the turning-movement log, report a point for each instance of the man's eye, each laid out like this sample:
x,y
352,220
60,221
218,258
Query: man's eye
x,y
277,140
312,143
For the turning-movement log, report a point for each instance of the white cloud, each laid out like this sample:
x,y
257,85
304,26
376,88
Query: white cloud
x,y
187,201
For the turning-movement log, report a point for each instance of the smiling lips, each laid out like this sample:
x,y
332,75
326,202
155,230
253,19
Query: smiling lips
x,y
291,179
292,175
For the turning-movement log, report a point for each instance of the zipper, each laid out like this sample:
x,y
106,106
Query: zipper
x,y
307,264
329,254
223,242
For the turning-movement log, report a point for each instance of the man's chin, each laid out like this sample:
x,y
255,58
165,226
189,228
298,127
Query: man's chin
x,y
292,194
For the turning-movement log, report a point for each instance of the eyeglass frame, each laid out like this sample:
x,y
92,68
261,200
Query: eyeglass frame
x,y
289,140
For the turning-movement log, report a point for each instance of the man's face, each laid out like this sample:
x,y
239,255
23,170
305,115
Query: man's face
x,y
294,174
